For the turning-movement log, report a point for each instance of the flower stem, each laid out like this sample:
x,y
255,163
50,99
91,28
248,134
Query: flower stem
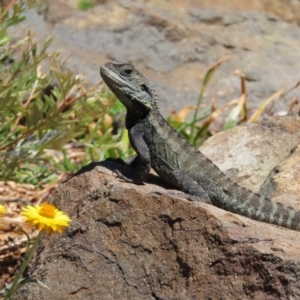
x,y
23,267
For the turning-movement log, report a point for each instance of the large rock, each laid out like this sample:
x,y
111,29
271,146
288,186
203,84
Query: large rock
x,y
138,242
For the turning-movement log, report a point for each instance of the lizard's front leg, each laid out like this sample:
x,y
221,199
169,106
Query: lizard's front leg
x,y
141,162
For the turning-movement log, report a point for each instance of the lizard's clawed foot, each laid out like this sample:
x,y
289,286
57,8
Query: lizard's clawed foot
x,y
120,176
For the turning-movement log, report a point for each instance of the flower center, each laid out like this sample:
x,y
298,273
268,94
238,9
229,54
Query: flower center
x,y
47,210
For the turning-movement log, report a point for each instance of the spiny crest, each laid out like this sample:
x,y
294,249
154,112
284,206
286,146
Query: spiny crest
x,y
155,98
142,80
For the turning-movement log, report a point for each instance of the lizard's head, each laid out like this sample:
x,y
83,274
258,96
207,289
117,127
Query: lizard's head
x,y
130,86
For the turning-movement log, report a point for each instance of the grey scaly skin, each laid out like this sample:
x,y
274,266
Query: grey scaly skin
x,y
176,161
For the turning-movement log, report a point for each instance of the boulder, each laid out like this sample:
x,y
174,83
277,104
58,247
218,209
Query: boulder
x,y
147,242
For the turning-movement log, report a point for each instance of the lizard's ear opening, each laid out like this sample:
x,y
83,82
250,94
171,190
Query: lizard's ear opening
x,y
152,101
144,88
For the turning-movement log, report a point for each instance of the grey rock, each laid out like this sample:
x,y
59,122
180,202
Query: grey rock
x,y
175,48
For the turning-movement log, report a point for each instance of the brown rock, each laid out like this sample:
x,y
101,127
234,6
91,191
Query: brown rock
x,y
248,153
136,242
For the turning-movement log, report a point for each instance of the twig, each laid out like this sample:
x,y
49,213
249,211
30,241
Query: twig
x,y
7,9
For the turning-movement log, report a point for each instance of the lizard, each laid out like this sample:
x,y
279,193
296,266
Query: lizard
x,y
175,160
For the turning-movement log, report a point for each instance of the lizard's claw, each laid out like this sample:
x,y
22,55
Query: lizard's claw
x,y
119,175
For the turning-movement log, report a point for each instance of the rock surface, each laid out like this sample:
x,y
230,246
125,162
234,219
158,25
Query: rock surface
x,y
138,242
271,145
175,47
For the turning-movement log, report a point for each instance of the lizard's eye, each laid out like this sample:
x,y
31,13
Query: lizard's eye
x,y
127,72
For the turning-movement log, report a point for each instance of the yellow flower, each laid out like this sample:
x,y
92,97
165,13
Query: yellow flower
x,y
2,209
46,217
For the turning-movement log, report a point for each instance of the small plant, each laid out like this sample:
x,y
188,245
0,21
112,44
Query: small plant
x,y
196,130
85,4
46,114
46,218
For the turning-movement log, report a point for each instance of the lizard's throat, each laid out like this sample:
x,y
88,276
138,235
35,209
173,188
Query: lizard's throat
x,y
133,116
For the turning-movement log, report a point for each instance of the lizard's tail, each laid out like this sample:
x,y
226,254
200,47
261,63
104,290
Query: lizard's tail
x,y
258,207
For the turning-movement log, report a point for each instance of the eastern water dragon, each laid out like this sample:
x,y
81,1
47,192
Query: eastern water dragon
x,y
175,160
